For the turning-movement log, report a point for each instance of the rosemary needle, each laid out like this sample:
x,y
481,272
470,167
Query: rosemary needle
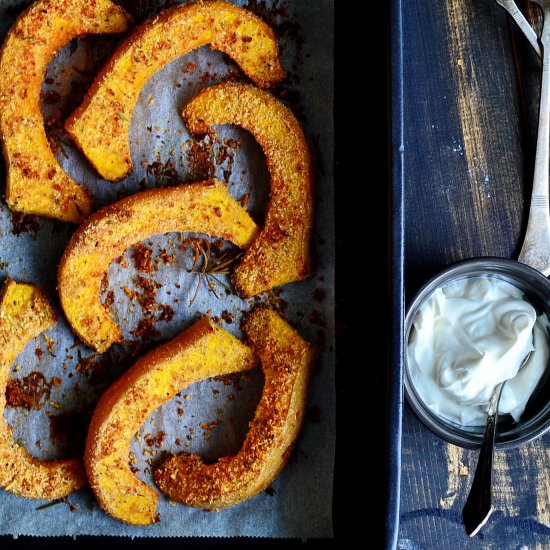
x,y
211,267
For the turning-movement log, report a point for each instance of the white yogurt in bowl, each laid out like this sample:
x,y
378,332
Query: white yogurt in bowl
x,y
467,337
466,330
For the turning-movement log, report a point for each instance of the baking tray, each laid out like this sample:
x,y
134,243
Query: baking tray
x,y
30,250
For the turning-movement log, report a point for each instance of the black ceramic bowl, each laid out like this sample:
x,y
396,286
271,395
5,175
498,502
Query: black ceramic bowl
x,y
535,421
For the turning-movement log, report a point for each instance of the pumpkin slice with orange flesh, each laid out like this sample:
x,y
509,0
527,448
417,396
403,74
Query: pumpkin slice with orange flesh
x,y
280,253
100,126
203,207
287,361
202,351
36,184
24,314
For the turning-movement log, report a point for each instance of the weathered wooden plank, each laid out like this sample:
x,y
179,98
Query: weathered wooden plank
x,y
471,94
465,190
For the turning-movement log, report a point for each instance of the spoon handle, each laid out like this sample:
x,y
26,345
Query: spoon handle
x,y
478,505
511,7
536,245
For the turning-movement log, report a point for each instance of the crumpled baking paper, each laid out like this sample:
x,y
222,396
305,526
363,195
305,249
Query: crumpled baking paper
x,y
209,417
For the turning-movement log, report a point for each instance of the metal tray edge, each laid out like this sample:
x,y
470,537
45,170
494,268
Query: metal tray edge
x,y
396,269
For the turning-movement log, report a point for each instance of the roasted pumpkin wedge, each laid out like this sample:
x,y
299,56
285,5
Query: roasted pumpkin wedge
x,y
202,351
281,252
286,361
36,184
204,207
24,314
100,126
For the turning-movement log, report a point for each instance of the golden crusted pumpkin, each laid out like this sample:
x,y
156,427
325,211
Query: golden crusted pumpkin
x,y
204,207
202,351
36,184
280,253
286,360
100,126
24,314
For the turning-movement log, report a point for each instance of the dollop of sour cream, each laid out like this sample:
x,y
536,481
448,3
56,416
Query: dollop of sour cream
x,y
469,336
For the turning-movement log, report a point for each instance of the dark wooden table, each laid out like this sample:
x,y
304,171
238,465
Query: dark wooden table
x,y
470,96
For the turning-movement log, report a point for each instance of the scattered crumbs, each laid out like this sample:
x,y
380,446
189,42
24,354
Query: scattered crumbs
x,y
121,260
30,392
164,173
110,298
154,440
200,158
272,299
227,316
166,312
189,67
464,470
24,223
211,425
225,156
102,369
232,379
51,344
164,258
146,330
142,256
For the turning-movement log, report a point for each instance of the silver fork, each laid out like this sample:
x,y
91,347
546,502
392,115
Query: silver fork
x,y
511,7
536,245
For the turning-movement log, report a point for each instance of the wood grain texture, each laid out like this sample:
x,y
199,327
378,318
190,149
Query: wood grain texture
x,y
471,85
465,187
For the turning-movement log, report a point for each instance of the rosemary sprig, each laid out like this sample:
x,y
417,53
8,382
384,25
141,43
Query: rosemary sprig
x,y
62,500
211,267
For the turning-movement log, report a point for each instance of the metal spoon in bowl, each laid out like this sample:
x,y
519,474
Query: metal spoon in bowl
x,y
536,253
479,505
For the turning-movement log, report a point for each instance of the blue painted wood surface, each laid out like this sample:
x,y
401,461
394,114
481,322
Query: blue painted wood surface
x,y
470,89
